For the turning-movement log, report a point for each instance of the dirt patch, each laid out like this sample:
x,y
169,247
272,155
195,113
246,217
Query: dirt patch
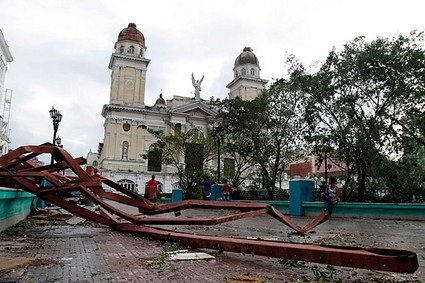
x,y
9,263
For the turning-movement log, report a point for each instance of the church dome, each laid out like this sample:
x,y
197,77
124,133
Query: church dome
x,y
133,34
160,102
246,57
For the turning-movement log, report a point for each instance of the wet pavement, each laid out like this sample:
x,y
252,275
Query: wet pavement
x,y
53,251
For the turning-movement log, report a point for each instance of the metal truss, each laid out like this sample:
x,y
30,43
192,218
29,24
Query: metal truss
x,y
18,170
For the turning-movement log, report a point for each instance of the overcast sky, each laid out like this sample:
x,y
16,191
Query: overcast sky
x,y
61,50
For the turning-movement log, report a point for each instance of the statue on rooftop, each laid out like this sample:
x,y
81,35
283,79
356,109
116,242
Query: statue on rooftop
x,y
197,85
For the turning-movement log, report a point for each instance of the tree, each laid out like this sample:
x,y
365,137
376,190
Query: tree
x,y
240,123
265,132
284,126
187,151
366,101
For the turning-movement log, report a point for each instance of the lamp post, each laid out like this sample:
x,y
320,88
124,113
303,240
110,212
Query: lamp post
x,y
58,141
326,168
218,140
56,118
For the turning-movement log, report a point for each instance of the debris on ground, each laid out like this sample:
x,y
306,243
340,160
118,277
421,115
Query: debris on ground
x,y
187,255
51,214
10,263
75,220
244,278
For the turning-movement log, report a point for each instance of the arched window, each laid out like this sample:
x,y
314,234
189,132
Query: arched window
x,y
243,72
124,155
128,184
252,72
131,49
121,49
236,74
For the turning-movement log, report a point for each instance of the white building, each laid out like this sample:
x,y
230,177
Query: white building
x,y
5,96
119,156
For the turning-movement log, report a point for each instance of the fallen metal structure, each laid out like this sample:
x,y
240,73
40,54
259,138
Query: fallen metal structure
x,y
17,169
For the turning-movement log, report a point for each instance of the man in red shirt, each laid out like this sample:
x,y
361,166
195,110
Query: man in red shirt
x,y
151,189
226,190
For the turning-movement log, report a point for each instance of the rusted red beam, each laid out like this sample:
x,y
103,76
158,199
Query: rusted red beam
x,y
319,219
204,204
199,221
373,259
81,211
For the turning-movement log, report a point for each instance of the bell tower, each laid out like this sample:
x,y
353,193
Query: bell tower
x,y
122,142
247,83
129,66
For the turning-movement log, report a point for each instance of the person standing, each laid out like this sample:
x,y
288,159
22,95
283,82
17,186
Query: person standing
x,y
226,189
206,188
151,190
332,195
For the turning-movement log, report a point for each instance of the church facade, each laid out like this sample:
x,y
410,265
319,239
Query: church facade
x,y
126,140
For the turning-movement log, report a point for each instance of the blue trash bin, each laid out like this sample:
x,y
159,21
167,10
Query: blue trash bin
x,y
216,191
300,191
176,195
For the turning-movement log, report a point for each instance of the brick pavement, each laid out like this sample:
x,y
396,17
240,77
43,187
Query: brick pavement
x,y
99,254
84,254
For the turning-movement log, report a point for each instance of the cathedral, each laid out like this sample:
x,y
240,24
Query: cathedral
x,y
126,140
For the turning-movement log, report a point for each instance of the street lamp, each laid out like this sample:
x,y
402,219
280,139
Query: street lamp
x,y
56,118
218,140
58,141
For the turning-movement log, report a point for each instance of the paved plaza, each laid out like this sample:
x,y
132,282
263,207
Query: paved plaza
x,y
53,251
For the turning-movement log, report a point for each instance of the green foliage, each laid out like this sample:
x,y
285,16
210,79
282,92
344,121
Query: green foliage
x,y
10,234
283,126
174,246
240,122
187,151
159,261
365,104
326,274
262,135
322,274
293,263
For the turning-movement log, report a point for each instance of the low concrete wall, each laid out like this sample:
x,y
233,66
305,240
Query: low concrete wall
x,y
15,205
406,211
372,210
